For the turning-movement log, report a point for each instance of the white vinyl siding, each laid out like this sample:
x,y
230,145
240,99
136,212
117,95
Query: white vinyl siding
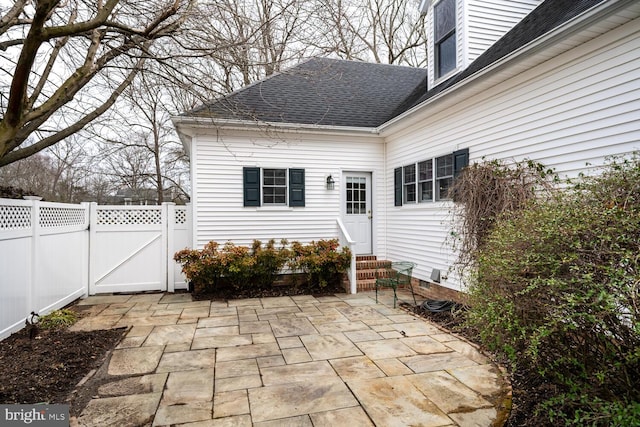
x,y
568,112
220,213
488,20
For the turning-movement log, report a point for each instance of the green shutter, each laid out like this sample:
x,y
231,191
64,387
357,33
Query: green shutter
x,y
397,186
251,187
460,161
296,187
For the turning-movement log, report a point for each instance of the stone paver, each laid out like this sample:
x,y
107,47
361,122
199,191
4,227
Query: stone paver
x,y
127,411
230,403
188,386
292,399
446,392
352,417
153,383
286,361
394,401
170,334
187,360
331,346
292,327
131,361
301,372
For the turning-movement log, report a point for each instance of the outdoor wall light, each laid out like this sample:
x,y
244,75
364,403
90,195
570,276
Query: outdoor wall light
x,y
331,184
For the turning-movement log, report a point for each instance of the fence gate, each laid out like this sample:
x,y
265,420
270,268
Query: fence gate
x,y
131,247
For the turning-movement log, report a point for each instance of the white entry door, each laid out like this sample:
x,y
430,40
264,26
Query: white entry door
x,y
356,209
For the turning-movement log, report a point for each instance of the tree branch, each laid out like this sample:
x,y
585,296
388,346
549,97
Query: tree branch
x,y
60,135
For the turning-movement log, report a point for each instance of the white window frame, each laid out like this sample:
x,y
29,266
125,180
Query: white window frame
x,y
438,42
429,180
264,186
407,184
439,178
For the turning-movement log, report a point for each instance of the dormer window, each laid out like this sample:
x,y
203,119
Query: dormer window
x,y
445,36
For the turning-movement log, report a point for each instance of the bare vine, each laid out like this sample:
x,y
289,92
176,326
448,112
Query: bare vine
x,y
487,191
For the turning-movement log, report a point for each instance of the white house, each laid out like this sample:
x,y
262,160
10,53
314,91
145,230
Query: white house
x,y
556,81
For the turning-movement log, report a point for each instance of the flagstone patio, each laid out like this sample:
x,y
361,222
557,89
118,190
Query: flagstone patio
x,y
285,361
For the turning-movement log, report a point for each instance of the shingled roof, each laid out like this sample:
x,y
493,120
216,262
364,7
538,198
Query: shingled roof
x,y
334,92
324,92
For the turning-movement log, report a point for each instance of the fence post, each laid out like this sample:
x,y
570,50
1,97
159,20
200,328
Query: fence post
x,y
93,221
87,248
165,232
35,247
168,255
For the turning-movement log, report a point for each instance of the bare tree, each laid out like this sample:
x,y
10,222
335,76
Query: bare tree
x,y
65,63
385,31
58,174
140,150
254,39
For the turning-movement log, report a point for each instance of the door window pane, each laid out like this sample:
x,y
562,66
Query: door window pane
x,y
356,199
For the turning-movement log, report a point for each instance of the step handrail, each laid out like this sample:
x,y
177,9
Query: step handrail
x,y
346,240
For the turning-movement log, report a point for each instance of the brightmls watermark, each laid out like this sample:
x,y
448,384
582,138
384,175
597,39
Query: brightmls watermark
x,y
34,415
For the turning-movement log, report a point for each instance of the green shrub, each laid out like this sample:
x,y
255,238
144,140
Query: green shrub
x,y
231,265
321,261
269,261
58,319
556,290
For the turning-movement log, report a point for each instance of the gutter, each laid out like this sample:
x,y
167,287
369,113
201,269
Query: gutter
x,y
574,25
206,123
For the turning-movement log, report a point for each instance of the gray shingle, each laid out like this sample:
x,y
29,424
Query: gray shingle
x,y
322,91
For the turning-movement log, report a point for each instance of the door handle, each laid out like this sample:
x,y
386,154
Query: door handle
x,y
369,215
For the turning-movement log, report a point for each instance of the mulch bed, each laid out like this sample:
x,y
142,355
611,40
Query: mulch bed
x,y
228,292
47,368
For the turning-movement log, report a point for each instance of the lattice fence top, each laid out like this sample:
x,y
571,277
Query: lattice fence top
x,y
181,215
62,217
115,216
15,217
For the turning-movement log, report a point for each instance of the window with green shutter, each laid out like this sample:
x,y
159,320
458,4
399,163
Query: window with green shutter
x,y
274,187
429,179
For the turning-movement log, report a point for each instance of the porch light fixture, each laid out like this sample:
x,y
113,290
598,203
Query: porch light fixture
x,y
330,183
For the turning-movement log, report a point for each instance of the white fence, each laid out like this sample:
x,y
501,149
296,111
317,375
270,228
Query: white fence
x,y
53,253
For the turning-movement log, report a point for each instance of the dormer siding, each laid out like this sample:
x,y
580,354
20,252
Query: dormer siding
x,y
479,24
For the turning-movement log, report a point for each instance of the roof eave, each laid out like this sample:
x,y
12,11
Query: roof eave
x,y
188,125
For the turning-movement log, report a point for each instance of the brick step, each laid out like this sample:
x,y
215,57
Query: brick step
x,y
366,285
371,264
371,273
366,258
